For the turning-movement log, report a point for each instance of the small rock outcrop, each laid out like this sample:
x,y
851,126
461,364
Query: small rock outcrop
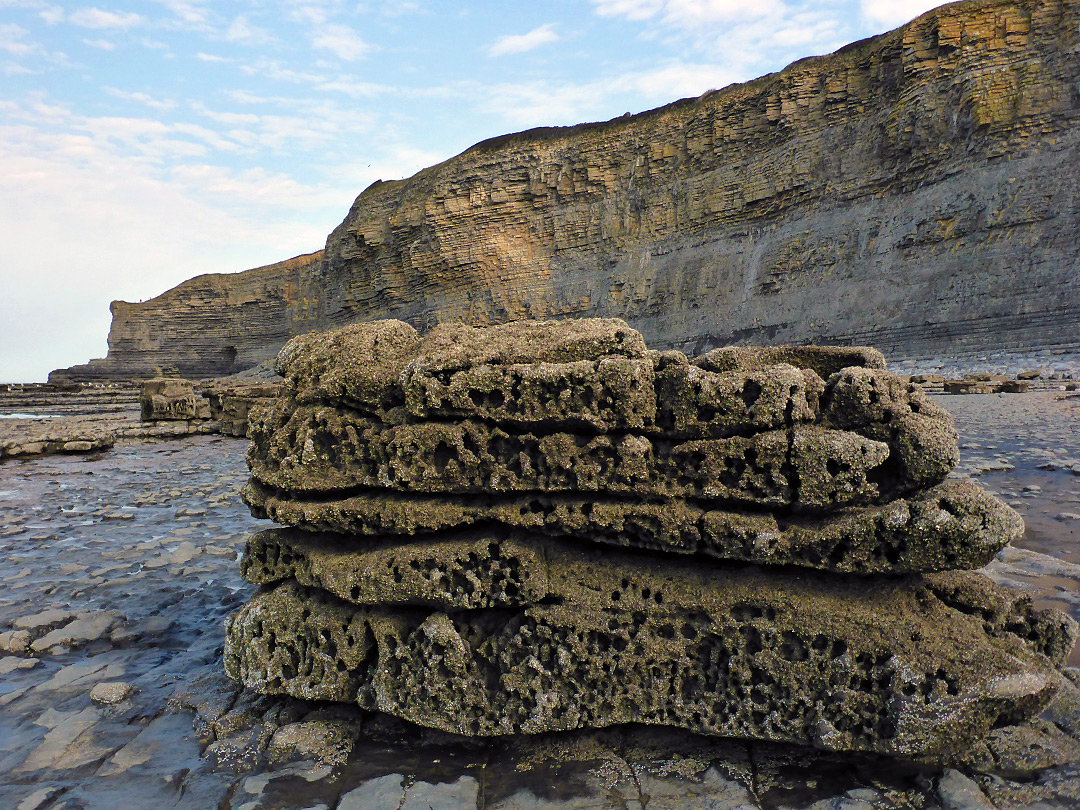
x,y
544,526
231,404
168,399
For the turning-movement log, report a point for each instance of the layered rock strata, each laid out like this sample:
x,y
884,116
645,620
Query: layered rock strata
x,y
168,399
913,191
231,405
457,501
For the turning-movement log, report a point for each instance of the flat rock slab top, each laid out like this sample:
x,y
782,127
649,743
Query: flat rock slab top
x,y
953,525
866,665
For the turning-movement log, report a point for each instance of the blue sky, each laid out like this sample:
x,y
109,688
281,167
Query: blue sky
x,y
145,143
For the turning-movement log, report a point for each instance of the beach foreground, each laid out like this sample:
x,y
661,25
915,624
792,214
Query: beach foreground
x,y
121,566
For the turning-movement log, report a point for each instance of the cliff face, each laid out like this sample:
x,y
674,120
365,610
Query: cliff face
x,y
917,191
209,326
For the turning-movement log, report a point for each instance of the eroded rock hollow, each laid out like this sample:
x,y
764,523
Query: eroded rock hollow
x,y
545,526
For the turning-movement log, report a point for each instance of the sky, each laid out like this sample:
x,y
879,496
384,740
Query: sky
x,y
144,143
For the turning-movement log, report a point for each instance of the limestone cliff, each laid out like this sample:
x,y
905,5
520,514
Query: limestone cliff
x,y
917,191
211,325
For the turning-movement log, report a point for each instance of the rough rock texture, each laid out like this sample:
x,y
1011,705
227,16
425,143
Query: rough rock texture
x,y
492,567
166,399
475,481
319,450
843,666
953,525
915,191
231,405
369,405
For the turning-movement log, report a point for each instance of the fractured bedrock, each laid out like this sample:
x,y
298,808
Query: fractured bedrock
x,y
311,449
955,524
492,567
583,405
848,665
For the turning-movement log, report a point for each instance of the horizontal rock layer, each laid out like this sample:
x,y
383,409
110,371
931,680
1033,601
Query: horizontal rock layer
x,y
914,191
877,665
490,568
322,450
953,525
581,405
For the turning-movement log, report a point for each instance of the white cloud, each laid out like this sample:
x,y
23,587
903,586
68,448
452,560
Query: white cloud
x,y
631,9
244,33
682,81
188,11
314,13
520,43
13,40
96,18
100,44
209,57
272,69
339,40
688,14
891,13
142,98
540,103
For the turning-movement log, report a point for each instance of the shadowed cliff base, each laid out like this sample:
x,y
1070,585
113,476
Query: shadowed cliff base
x,y
915,191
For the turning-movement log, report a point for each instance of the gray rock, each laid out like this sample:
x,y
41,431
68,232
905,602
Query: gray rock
x,y
110,693
959,792
89,627
383,793
952,525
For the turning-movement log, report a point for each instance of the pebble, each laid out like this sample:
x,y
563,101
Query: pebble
x,y
959,792
15,641
9,664
111,693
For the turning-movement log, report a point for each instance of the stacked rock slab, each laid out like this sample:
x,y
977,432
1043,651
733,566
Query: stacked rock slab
x,y
544,526
171,399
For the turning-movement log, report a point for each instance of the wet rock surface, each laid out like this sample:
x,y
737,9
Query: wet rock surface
x,y
153,531
46,419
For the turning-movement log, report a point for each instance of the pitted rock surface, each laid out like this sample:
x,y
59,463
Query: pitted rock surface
x,y
850,665
823,360
471,486
557,406
953,525
167,399
483,568
322,450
